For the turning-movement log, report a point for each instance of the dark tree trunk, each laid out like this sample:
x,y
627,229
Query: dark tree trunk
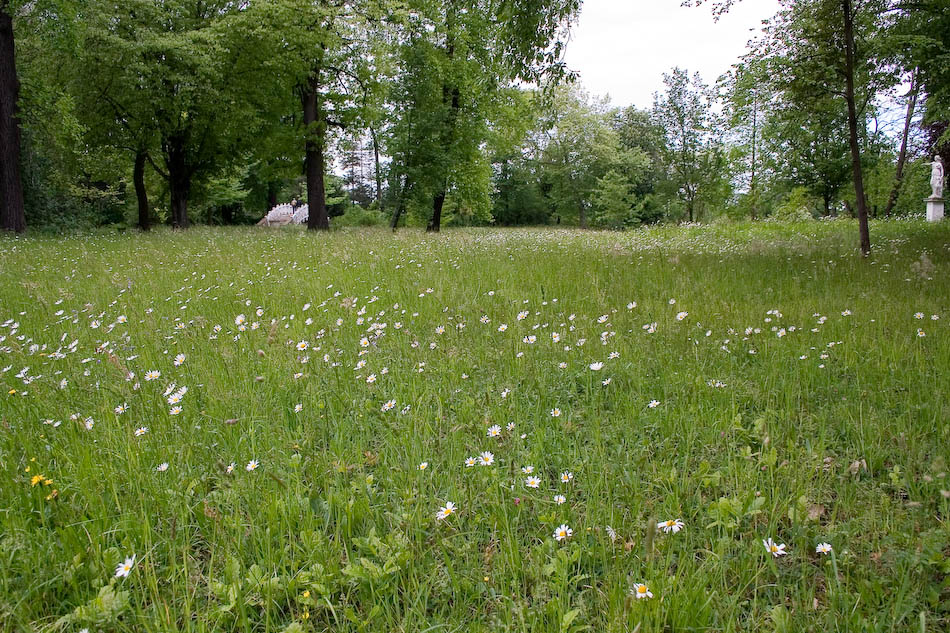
x,y
315,126
272,195
435,224
454,102
902,156
451,96
179,182
12,214
227,214
401,204
858,176
141,195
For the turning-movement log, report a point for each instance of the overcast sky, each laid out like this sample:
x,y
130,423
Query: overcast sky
x,y
623,47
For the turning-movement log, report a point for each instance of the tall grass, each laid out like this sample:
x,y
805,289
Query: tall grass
x,y
795,396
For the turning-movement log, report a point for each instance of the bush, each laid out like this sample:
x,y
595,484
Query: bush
x,y
356,215
798,207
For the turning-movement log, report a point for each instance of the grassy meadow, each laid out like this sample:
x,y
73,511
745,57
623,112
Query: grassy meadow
x,y
265,430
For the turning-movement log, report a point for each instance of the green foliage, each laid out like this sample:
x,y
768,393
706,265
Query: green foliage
x,y
798,206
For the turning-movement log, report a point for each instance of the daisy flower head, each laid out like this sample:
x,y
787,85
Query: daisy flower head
x,y
125,567
298,408
230,468
423,466
555,412
775,549
252,465
142,430
559,499
179,360
673,525
162,467
823,548
567,477
388,405
446,511
681,315
470,461
122,408
640,591
302,346
654,404
152,375
527,469
596,366
486,459
532,482
494,431
174,410
562,533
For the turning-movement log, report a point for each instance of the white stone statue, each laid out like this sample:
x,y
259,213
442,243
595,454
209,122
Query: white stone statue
x,y
936,177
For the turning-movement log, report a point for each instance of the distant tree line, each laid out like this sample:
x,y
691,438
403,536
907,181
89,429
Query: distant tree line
x,y
461,112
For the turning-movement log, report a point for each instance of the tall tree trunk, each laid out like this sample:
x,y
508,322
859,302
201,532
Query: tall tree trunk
x,y
314,166
451,96
438,201
141,195
582,215
272,188
378,171
902,156
12,214
858,176
179,181
401,204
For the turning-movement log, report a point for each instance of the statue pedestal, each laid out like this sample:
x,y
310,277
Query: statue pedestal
x,y
934,209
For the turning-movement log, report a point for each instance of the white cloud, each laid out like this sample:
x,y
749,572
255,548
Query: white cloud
x,y
623,47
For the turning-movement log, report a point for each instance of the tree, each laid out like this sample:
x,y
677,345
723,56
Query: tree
x,y
320,52
748,100
576,148
456,61
12,214
168,74
815,49
692,152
